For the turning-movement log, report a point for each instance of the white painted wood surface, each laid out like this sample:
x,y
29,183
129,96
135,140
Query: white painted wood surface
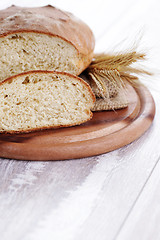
x,y
115,196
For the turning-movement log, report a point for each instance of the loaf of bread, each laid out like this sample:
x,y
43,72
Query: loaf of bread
x,y
43,38
38,100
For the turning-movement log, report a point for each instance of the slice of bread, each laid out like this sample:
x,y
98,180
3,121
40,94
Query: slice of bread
x,y
43,38
38,100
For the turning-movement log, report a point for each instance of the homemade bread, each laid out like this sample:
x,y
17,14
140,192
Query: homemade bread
x,y
43,38
38,100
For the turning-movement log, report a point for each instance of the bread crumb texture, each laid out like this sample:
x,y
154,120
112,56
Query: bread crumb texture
x,y
22,52
40,100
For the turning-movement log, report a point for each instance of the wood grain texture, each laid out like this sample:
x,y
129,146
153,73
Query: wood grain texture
x,y
145,214
114,196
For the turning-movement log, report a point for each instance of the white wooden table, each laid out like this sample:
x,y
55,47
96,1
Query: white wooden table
x,y
115,196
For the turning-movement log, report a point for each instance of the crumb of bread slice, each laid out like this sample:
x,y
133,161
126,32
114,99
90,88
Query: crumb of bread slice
x,y
28,51
43,99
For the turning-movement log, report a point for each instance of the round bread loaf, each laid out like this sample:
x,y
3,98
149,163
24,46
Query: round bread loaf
x,y
39,100
44,38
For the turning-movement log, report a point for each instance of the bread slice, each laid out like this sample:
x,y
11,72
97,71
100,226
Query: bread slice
x,y
38,100
43,38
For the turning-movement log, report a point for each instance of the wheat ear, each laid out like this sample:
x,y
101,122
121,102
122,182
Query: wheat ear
x,y
116,69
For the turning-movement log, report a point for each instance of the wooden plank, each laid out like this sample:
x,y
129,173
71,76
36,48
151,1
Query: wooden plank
x,y
144,219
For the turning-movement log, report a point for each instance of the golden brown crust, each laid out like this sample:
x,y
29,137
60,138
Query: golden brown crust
x,y
48,20
48,127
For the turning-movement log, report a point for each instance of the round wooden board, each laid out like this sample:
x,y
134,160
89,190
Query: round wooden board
x,y
107,131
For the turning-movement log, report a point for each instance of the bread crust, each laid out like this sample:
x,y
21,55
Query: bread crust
x,y
48,127
51,21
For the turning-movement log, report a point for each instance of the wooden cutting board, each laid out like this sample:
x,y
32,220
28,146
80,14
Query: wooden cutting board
x,y
107,131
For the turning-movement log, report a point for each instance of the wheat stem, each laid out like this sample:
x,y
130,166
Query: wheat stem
x,y
116,69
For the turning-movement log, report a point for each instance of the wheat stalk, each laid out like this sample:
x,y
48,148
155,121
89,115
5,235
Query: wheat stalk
x,y
116,69
116,60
